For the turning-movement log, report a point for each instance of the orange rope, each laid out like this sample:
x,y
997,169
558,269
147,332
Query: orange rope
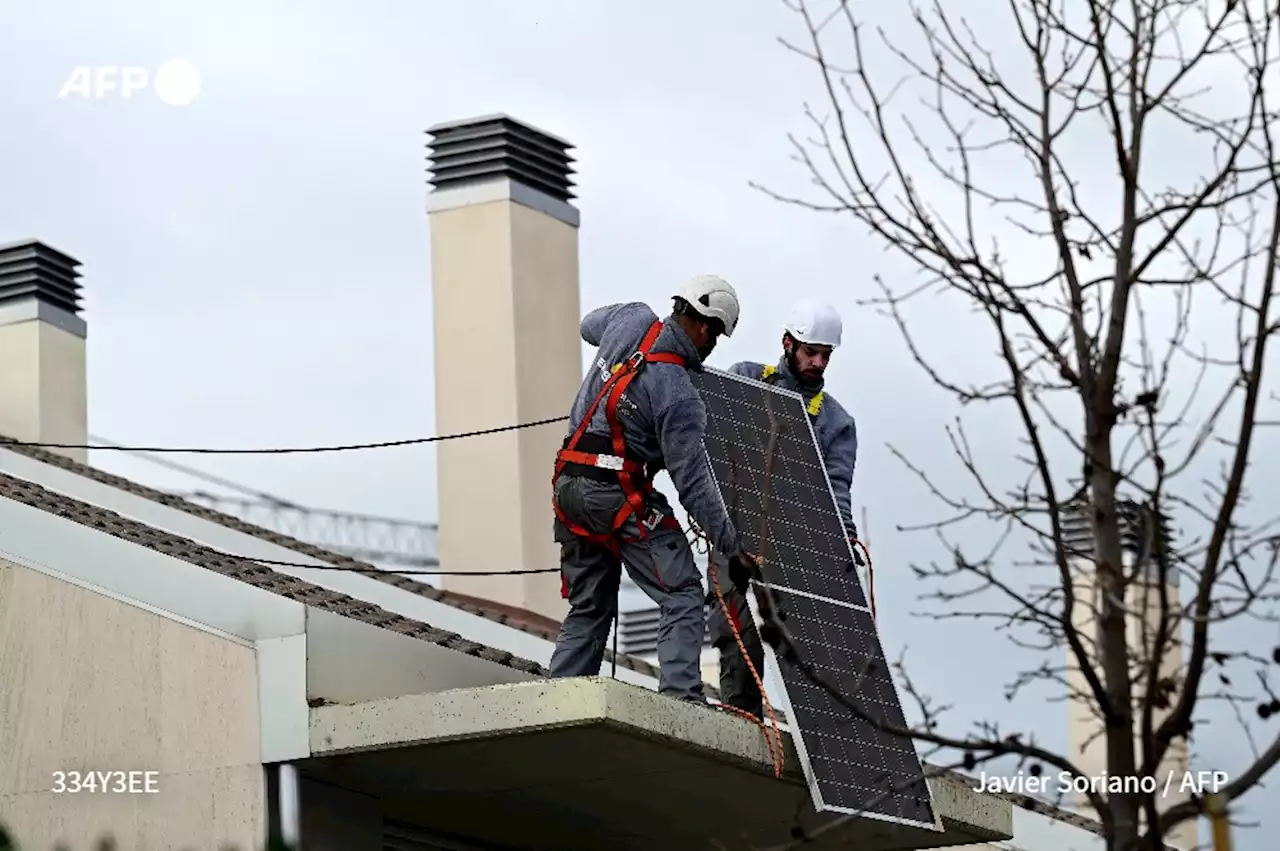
x,y
772,736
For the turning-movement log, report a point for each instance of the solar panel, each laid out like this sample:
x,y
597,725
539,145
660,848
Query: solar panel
x,y
782,502
765,458
857,765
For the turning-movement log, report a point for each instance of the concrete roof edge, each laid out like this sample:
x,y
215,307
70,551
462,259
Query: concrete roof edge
x,y
494,711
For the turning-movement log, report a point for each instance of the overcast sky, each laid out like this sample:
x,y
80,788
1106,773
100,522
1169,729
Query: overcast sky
x,y
256,263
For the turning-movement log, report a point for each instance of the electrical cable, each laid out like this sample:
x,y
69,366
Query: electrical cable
x,y
355,568
615,644
193,472
384,444
362,568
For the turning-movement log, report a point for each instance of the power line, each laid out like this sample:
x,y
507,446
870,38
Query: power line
x,y
371,569
193,472
355,568
366,537
384,444
276,501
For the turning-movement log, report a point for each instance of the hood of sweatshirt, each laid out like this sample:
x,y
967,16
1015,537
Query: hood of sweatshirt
x,y
674,340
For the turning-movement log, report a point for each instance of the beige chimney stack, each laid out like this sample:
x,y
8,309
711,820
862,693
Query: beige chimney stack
x,y
504,268
1088,748
42,348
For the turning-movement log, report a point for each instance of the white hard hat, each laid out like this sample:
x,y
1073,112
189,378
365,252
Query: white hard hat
x,y
814,322
713,298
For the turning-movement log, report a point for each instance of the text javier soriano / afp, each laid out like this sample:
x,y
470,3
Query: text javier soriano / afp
x,y
1178,781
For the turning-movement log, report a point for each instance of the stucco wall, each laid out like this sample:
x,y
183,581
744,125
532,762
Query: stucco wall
x,y
91,683
505,289
42,387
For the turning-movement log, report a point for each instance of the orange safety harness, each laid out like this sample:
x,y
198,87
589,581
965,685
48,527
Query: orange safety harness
x,y
627,469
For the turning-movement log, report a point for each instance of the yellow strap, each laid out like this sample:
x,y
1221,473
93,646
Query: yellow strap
x,y
815,404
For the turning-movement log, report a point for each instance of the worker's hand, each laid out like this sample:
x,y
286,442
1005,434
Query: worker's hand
x,y
856,546
743,567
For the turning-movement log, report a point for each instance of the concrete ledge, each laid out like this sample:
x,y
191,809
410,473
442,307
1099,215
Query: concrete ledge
x,y
594,762
510,709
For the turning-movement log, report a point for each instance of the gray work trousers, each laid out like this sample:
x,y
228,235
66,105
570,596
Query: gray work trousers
x,y
660,563
737,687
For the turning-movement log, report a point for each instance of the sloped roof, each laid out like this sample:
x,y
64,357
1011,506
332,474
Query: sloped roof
x,y
257,575
510,616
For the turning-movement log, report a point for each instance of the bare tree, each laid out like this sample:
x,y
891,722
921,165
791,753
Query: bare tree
x,y
1097,183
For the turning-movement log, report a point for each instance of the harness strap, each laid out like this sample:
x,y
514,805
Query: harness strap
x,y
627,469
769,375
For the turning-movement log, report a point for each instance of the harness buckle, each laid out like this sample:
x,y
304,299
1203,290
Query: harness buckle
x,y
635,361
610,462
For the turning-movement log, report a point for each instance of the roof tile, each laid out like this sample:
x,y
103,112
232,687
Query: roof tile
x,y
528,622
96,517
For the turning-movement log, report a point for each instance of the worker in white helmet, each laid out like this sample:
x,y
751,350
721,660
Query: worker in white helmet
x,y
811,333
635,414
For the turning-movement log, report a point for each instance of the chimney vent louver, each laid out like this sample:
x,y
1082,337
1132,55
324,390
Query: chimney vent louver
x,y
479,150
31,269
1136,536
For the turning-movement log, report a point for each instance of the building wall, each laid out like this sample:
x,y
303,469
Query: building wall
x,y
42,385
91,683
548,374
507,351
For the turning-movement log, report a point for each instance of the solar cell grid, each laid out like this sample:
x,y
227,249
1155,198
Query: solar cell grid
x,y
858,767
781,502
764,456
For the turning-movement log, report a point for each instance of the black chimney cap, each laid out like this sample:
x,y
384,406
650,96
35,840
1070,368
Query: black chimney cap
x,y
31,269
478,150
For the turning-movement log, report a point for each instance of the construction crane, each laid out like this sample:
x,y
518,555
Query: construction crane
x,y
368,537
380,540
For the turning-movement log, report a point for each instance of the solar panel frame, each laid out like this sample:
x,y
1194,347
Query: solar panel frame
x,y
800,418
846,750
806,761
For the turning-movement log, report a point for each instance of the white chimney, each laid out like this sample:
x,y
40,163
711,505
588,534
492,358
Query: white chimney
x,y
1087,750
504,271
42,348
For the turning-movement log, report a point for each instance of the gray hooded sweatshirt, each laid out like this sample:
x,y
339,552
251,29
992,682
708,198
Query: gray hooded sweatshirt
x,y
663,417
837,434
